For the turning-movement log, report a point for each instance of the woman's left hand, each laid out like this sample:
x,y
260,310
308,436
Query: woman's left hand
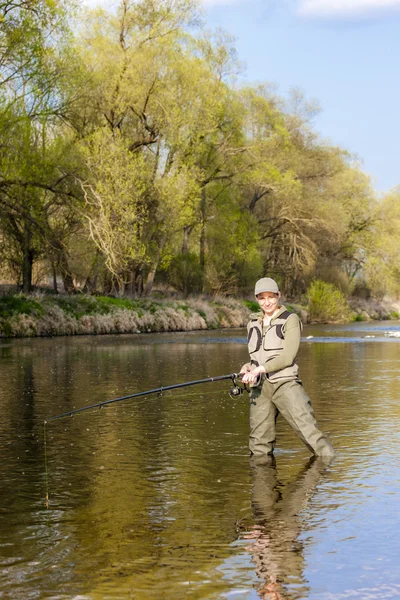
x,y
253,375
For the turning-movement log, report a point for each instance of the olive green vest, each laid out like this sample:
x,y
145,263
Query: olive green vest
x,y
266,344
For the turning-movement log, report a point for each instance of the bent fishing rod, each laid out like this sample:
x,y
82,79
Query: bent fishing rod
x,y
236,390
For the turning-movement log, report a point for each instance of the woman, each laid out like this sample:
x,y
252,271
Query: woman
x,y
273,342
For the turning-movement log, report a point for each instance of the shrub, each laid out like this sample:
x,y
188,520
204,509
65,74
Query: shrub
x,y
326,303
252,305
358,317
336,276
19,305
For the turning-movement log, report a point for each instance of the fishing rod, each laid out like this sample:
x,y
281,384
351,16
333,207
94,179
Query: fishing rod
x,y
236,390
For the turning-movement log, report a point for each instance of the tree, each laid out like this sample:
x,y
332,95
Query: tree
x,y
381,253
36,205
33,41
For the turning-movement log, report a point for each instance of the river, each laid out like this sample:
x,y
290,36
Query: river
x,y
155,498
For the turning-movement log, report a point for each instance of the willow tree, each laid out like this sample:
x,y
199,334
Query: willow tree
x,y
167,104
380,270
295,187
350,213
226,142
34,37
115,194
271,190
136,201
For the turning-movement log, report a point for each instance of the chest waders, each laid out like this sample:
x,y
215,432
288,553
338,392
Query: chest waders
x,y
280,392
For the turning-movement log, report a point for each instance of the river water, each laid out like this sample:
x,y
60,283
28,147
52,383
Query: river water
x,y
155,498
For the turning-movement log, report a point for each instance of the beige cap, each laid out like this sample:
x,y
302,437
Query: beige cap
x,y
266,284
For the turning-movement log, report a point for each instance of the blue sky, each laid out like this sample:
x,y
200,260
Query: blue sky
x,y
343,53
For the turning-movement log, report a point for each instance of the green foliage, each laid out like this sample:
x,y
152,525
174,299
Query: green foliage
x,y
184,273
79,305
126,148
252,305
116,210
337,275
326,303
233,260
107,303
358,318
34,153
18,305
381,267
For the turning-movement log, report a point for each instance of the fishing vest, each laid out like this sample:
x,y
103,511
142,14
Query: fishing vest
x,y
263,346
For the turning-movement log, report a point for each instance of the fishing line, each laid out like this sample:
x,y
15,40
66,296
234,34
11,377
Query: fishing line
x,y
180,396
46,470
237,389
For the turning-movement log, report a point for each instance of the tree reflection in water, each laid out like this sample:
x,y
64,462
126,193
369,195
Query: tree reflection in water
x,y
276,550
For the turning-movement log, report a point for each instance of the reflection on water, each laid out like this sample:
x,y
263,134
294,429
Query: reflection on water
x,y
277,551
156,498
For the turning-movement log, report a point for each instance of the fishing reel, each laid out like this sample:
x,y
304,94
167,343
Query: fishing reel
x,y
238,388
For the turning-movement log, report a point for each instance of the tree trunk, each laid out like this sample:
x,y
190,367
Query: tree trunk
x,y
27,262
187,230
65,271
121,288
134,286
130,287
54,273
68,282
203,207
139,282
91,280
27,272
151,276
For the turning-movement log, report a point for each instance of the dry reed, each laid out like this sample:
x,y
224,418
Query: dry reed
x,y
157,316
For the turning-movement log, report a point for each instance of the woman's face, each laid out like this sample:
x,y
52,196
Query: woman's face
x,y
268,302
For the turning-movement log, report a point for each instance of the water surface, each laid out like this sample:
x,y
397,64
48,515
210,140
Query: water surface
x,y
155,498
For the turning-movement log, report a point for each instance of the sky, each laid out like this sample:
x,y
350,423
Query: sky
x,y
345,54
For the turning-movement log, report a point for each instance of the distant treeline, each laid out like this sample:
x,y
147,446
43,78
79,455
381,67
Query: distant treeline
x,y
130,155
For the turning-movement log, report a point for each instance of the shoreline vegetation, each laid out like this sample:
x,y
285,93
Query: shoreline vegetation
x,y
113,192
48,315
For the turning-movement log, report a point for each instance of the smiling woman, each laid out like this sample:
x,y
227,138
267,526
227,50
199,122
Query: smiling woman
x,y
273,343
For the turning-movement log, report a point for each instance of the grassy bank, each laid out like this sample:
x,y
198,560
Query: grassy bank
x,y
48,315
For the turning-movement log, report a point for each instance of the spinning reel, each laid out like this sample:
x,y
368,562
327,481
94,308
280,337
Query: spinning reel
x,y
238,387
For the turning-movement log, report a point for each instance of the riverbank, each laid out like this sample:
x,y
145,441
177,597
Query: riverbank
x,y
45,315
374,310
42,315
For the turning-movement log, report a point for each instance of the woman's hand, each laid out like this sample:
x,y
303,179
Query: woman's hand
x,y
252,375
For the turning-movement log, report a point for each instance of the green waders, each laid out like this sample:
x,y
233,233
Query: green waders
x,y
289,399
